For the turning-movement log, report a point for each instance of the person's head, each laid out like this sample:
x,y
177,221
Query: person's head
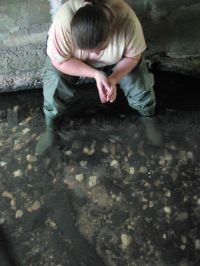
x,y
90,27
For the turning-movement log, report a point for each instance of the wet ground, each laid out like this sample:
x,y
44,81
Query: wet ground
x,y
103,196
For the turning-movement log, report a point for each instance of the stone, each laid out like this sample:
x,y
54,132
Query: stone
x,y
143,170
131,170
198,201
92,181
13,203
190,155
167,209
79,177
83,164
105,149
2,220
88,151
197,244
168,194
7,194
68,152
34,207
2,163
16,108
17,173
19,214
31,158
184,239
25,131
126,240
114,164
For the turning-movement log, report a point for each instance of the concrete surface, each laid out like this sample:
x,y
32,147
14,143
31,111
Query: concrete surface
x,y
172,30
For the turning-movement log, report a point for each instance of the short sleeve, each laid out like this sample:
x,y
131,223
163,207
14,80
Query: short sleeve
x,y
59,43
134,38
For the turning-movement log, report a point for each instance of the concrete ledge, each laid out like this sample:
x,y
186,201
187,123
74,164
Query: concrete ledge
x,y
21,67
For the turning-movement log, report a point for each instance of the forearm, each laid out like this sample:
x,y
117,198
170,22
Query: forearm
x,y
123,67
75,67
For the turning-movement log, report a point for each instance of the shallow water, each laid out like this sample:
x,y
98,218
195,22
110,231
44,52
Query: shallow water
x,y
103,196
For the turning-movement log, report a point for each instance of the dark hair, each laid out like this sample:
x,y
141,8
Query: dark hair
x,y
89,26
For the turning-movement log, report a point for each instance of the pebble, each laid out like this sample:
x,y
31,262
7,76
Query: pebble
x,y
28,120
174,176
88,151
16,108
83,163
2,163
167,209
17,173
13,203
151,204
131,170
7,194
17,145
164,236
190,155
161,162
168,157
29,167
197,244
68,153
34,207
198,201
79,177
144,199
168,194
19,213
2,220
118,198
114,164
31,158
105,149
184,239
185,198
143,170
126,240
92,181
182,247
51,224
144,207
25,131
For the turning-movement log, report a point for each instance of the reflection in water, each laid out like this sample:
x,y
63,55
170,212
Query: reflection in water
x,y
134,203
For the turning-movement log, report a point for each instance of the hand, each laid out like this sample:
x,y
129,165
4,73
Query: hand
x,y
113,90
103,86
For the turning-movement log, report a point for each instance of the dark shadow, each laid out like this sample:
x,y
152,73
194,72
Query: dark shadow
x,y
7,254
177,91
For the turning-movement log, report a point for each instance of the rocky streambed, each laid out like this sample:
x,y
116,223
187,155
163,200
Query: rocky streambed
x,y
103,196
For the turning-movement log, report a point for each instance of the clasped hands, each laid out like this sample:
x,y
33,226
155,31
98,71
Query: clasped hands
x,y
106,87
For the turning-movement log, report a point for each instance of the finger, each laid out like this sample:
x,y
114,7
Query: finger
x,y
113,98
106,86
112,92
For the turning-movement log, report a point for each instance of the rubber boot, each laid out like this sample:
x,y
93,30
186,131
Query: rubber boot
x,y
47,139
152,130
